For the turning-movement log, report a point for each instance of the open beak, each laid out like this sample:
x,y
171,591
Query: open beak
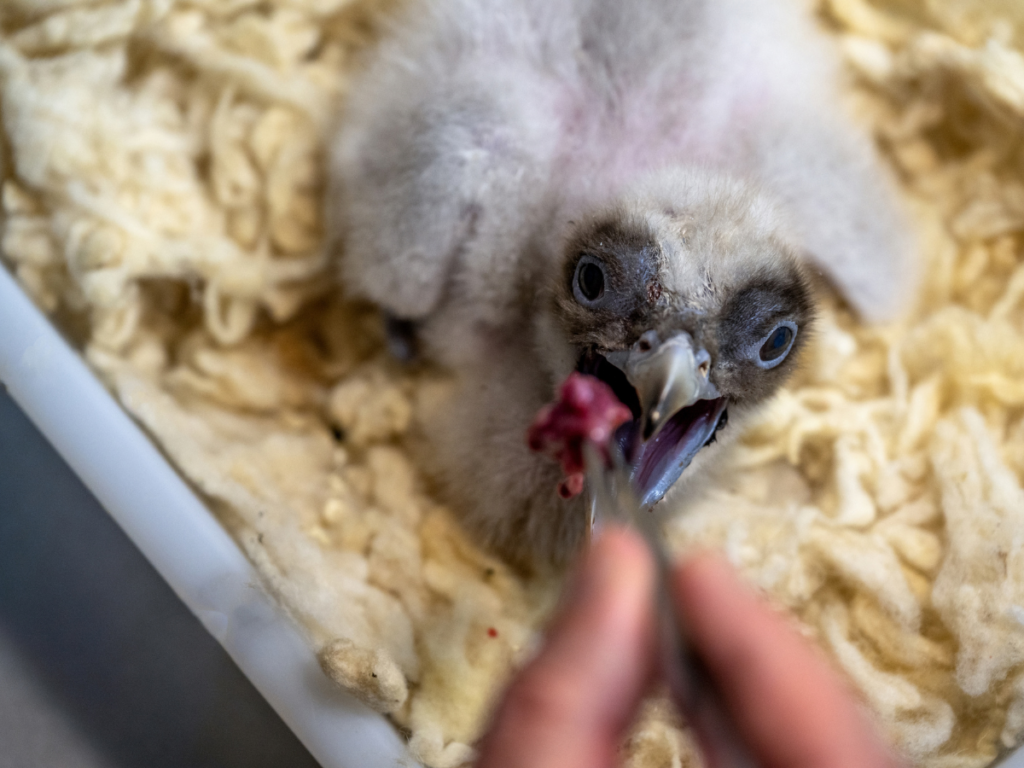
x,y
677,410
667,376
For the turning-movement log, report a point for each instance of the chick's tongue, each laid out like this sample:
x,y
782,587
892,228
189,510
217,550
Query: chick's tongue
x,y
586,410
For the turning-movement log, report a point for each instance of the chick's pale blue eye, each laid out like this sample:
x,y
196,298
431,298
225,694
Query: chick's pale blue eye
x,y
589,280
781,338
777,344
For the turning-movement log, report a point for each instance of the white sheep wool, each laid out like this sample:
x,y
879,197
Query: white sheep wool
x,y
162,169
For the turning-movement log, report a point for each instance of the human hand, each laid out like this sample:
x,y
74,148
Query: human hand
x,y
571,706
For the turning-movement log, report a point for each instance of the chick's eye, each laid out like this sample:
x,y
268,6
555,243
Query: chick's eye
x,y
589,281
777,345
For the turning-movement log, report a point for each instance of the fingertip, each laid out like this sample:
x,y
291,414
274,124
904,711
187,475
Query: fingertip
x,y
702,578
612,585
616,537
616,566
703,566
572,703
773,680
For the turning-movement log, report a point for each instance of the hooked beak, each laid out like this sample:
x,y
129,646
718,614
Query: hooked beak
x,y
678,411
667,375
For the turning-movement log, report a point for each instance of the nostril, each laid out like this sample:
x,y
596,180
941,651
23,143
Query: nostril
x,y
647,342
703,368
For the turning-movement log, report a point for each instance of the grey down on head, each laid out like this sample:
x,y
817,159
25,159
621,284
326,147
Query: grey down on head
x,y
641,191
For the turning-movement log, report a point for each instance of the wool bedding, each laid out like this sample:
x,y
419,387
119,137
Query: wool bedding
x,y
162,166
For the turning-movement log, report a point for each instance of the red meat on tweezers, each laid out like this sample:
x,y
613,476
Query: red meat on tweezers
x,y
586,410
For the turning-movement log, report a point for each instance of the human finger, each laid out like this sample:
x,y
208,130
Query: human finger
x,y
571,705
788,703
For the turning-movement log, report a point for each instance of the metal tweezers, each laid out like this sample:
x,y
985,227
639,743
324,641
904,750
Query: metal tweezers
x,y
691,687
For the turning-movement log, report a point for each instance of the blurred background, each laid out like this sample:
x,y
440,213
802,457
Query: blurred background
x,y
101,666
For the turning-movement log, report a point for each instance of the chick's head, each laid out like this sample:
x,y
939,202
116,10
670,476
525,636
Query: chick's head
x,y
687,299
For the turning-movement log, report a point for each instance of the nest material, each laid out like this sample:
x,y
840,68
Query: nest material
x,y
162,175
